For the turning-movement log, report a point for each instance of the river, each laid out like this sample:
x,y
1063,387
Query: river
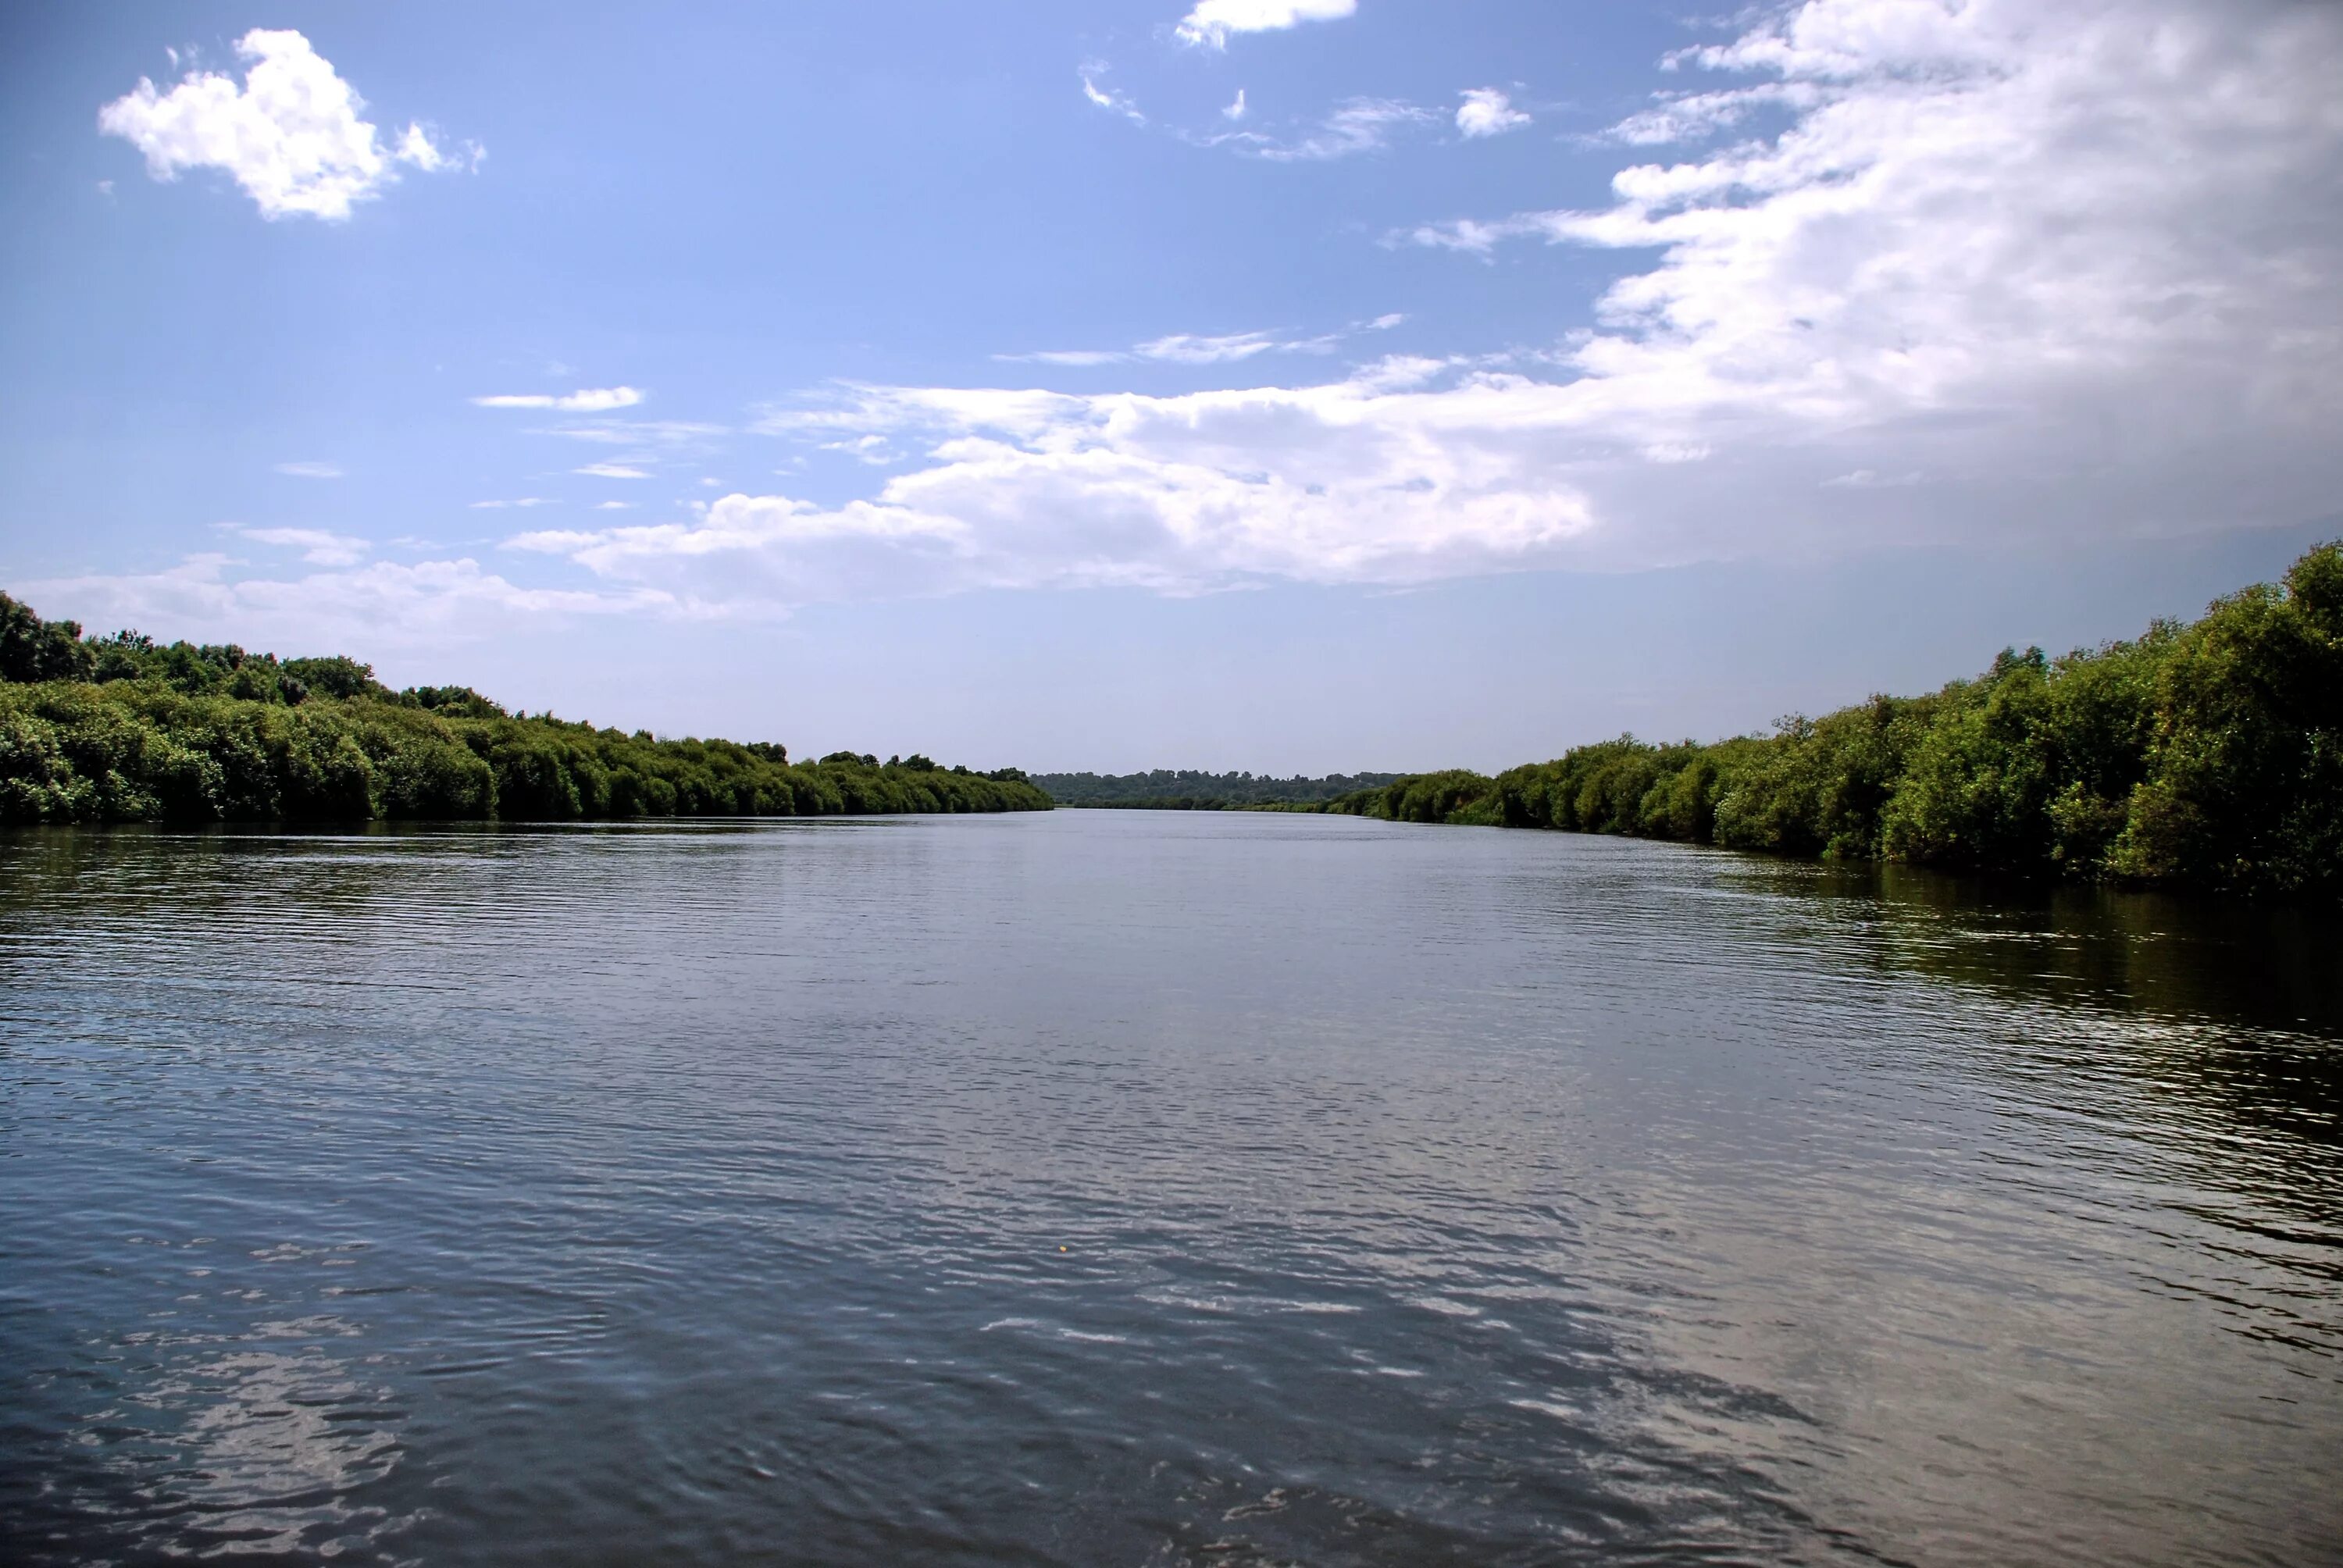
x,y
1151,1188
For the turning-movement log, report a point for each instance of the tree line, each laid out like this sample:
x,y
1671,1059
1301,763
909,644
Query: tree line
x,y
122,729
1184,789
2207,754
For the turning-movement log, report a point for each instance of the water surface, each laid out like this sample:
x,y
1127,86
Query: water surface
x,y
1140,1188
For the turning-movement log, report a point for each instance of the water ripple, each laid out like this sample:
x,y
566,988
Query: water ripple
x,y
1152,1189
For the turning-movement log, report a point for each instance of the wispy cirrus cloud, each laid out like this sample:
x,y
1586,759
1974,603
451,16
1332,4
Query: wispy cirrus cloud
x,y
586,400
613,471
1182,348
316,544
667,435
311,471
1356,126
289,135
1108,99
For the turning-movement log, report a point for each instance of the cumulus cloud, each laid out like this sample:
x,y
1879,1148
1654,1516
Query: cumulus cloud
x,y
311,470
316,545
289,135
1995,270
1210,24
2061,264
1488,112
424,605
585,400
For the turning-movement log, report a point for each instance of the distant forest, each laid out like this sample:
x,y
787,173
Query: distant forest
x,y
1165,790
2207,754
122,729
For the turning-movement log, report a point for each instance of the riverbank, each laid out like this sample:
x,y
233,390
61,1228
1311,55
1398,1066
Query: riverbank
x,y
2204,755
122,730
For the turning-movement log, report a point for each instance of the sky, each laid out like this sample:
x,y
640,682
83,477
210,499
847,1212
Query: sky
x,y
1281,385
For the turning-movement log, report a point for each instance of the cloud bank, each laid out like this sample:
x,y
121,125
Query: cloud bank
x,y
290,135
1995,270
2001,269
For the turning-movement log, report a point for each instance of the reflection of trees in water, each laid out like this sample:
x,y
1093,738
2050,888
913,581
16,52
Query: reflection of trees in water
x,y
346,900
2234,1010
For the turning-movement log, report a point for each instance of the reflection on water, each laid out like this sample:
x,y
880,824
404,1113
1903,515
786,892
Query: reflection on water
x,y
1125,1187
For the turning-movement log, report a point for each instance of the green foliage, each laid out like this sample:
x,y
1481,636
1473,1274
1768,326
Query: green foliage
x,y
35,649
134,731
2209,754
1183,789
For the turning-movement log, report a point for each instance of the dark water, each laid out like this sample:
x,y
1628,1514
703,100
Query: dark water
x,y
1125,1188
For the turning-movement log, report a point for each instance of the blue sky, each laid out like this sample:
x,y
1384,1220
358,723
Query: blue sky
x,y
998,382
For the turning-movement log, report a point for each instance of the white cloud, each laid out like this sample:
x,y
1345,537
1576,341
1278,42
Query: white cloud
x,y
417,147
1236,110
311,470
871,450
1213,21
1385,322
613,471
2069,264
1183,349
677,435
1488,112
2062,264
1358,126
614,506
290,135
1077,358
586,400
361,611
1872,479
1108,99
317,546
523,501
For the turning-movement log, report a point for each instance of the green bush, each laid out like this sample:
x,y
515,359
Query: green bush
x,y
134,731
2207,754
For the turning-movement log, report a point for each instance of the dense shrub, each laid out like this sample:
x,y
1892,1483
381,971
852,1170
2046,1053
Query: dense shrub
x,y
2206,755
120,728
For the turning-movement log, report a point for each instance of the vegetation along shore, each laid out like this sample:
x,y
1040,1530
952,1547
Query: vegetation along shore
x,y
1167,790
2206,755
121,728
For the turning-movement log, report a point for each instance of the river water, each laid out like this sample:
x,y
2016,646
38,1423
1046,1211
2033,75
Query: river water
x,y
1147,1188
